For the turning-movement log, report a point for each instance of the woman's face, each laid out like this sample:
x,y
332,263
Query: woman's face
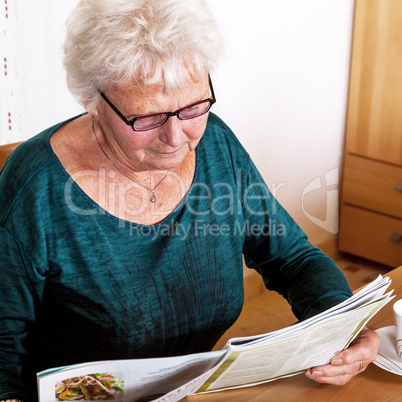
x,y
164,147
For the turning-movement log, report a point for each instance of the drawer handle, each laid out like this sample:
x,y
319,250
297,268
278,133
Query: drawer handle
x,y
398,187
396,237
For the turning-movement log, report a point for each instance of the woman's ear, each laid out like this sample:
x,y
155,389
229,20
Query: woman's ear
x,y
91,108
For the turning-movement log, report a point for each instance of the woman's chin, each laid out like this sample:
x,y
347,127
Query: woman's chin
x,y
169,160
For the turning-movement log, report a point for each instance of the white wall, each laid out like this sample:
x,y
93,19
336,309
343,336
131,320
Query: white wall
x,y
281,86
34,91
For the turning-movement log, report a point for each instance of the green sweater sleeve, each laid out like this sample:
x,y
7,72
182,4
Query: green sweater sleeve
x,y
20,293
279,250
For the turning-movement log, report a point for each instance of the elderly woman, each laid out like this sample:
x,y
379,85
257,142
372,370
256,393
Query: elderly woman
x,y
123,229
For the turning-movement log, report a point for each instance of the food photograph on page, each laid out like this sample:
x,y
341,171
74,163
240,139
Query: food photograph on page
x,y
91,387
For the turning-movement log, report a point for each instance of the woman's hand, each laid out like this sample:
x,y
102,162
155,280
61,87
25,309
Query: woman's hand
x,y
350,362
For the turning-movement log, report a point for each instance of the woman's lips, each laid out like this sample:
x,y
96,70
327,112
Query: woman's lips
x,y
167,153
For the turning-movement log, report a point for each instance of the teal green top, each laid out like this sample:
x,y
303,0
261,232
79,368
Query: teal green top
x,y
77,284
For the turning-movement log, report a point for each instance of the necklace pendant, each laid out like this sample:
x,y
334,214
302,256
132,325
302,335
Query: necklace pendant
x,y
153,198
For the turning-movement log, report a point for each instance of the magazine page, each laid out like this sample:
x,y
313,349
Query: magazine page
x,y
243,362
124,380
291,354
371,291
187,389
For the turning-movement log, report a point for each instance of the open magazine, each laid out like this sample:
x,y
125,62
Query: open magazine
x,y
242,362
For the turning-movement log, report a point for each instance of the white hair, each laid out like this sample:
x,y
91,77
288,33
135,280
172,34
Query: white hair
x,y
110,42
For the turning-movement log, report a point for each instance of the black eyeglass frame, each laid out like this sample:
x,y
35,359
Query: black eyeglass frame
x,y
132,121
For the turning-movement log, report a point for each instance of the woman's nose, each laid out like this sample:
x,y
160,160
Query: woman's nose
x,y
172,132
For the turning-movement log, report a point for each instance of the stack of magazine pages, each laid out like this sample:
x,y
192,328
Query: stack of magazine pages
x,y
243,362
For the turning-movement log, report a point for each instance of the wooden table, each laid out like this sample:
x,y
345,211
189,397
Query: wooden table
x,y
374,384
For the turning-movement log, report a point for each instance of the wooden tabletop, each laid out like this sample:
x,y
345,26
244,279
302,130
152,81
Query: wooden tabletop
x,y
374,384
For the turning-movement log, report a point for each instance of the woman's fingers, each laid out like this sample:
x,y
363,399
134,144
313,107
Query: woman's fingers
x,y
350,362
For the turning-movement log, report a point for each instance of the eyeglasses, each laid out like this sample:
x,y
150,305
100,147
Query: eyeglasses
x,y
149,122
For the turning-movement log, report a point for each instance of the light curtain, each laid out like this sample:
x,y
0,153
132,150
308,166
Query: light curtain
x,y
33,93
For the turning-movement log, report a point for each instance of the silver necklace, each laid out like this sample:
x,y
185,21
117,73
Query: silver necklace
x,y
152,190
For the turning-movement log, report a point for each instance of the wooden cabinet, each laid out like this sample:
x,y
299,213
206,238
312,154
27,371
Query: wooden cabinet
x,y
371,209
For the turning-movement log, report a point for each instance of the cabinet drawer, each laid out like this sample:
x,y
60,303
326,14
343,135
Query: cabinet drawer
x,y
368,235
372,185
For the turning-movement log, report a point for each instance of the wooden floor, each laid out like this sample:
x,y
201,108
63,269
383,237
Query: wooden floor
x,y
266,311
